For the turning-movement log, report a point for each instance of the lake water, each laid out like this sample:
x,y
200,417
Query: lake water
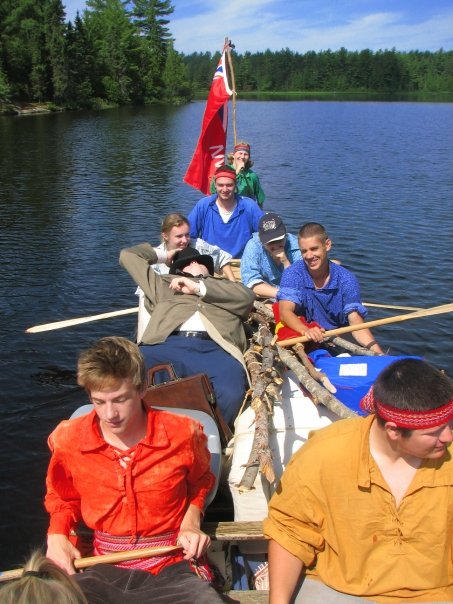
x,y
77,187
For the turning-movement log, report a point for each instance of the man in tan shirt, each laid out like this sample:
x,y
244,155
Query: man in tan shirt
x,y
364,509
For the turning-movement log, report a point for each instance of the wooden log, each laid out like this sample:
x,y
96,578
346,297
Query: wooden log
x,y
260,457
264,309
319,376
321,395
354,349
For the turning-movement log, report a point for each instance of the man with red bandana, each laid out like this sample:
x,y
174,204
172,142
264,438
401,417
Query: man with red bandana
x,y
136,476
364,510
225,219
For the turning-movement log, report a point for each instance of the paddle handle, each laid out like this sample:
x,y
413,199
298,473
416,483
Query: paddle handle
x,y
427,312
134,554
71,322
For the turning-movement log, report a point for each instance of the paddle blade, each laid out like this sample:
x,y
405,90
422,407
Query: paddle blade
x,y
78,321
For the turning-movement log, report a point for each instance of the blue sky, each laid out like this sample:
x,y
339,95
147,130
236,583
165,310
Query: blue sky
x,y
302,25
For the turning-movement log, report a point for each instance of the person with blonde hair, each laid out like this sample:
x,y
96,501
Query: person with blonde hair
x,y
175,236
137,477
42,582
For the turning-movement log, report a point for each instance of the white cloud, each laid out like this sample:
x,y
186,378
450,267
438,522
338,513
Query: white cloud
x,y
302,25
259,26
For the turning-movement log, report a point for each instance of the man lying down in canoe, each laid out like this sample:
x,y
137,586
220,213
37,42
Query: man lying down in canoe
x,y
317,294
196,320
364,510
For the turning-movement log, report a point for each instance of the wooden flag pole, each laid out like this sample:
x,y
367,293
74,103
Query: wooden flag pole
x,y
229,47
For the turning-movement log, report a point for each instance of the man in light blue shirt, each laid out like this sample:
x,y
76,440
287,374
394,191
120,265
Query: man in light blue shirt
x,y
270,251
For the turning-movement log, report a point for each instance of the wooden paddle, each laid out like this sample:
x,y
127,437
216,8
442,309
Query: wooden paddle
x,y
391,307
134,554
427,312
128,311
70,322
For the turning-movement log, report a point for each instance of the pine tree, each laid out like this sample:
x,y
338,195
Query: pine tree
x,y
150,19
175,77
55,45
80,65
116,47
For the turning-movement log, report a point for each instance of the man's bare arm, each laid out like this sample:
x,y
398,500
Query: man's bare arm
x,y
363,336
284,573
227,272
289,318
265,290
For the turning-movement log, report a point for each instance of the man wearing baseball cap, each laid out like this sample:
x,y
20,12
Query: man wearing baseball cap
x,y
266,256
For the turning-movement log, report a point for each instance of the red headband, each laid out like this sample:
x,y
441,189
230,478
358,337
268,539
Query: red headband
x,y
225,173
404,418
241,147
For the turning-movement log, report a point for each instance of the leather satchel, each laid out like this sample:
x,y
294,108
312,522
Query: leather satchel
x,y
194,392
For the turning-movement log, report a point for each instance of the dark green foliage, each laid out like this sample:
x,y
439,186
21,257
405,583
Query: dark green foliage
x,y
117,52
4,87
121,51
385,71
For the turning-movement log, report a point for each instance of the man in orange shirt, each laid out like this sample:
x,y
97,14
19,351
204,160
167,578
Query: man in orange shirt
x,y
365,508
138,477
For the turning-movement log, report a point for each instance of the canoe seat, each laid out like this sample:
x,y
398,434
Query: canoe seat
x,y
249,597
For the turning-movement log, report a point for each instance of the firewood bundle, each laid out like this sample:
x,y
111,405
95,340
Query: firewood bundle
x,y
263,359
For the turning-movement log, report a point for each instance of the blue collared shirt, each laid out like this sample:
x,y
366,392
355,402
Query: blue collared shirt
x,y
328,306
206,223
257,265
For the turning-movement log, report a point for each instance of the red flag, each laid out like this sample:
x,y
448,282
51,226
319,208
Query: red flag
x,y
211,146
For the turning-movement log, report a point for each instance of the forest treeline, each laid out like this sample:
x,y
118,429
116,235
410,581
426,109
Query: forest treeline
x,y
385,71
119,53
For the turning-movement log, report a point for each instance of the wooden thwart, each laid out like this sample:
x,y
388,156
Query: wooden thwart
x,y
234,531
249,597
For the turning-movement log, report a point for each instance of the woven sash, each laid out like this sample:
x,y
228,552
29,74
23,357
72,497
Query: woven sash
x,y
104,543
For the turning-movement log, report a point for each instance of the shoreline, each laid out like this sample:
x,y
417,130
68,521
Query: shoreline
x,y
28,108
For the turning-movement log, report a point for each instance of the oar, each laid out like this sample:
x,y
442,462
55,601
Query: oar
x,y
134,554
391,307
128,311
427,312
70,322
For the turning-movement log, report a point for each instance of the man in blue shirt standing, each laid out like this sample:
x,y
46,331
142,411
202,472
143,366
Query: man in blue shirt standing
x,y
317,289
267,254
225,219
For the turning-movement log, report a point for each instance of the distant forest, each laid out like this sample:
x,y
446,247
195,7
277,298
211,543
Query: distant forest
x,y
119,53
